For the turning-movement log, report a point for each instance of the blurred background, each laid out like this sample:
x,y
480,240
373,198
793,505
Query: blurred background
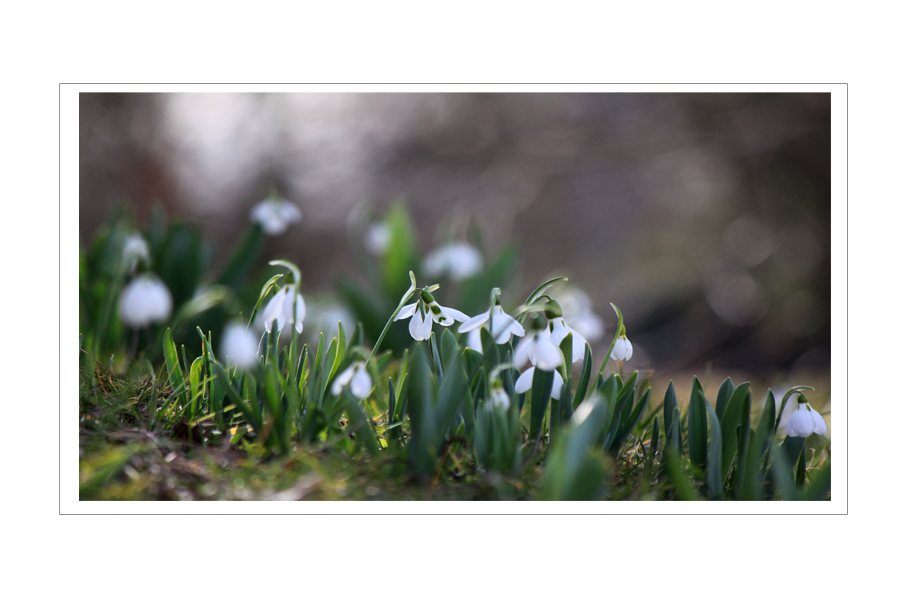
x,y
704,217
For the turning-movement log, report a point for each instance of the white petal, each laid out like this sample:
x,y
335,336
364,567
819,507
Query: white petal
x,y
546,356
239,346
523,351
361,384
499,399
629,349
801,423
473,341
556,392
417,326
274,308
452,314
406,312
341,381
558,331
525,381
476,321
819,425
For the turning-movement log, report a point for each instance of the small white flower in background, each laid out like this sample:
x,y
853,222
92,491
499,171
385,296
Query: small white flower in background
x,y
424,311
577,307
323,314
145,300
377,238
526,380
275,214
282,311
239,346
559,330
622,350
502,326
537,347
356,377
458,261
135,250
498,399
803,420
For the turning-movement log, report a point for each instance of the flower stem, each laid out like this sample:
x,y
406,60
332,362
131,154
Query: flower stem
x,y
406,296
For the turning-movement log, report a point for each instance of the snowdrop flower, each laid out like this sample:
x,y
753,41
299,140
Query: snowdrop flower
x,y
377,238
622,350
239,346
356,377
803,420
145,300
274,214
537,347
459,261
425,311
559,330
281,310
134,250
526,379
502,326
499,398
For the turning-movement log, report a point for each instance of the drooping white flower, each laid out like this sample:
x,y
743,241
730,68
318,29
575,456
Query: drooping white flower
x,y
526,380
804,420
498,399
424,312
134,250
377,238
239,346
622,350
458,261
145,300
537,347
281,310
356,377
275,214
502,326
559,330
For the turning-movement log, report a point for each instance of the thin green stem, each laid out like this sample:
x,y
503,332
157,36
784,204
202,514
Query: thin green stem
x,y
406,296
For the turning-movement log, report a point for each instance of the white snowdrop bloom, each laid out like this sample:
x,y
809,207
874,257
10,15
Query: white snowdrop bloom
x,y
424,312
526,380
275,214
577,307
804,420
356,377
281,310
134,250
498,399
623,349
377,238
502,326
145,300
459,261
239,346
559,330
537,347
